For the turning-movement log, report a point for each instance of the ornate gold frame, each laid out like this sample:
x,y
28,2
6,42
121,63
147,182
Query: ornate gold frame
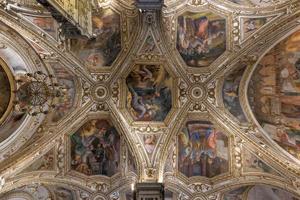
x,y
11,80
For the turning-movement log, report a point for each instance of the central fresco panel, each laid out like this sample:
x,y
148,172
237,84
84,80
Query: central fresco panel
x,y
201,38
274,94
203,150
149,97
95,148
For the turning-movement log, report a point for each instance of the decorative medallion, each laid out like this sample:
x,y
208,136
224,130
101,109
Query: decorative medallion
x,y
197,92
100,92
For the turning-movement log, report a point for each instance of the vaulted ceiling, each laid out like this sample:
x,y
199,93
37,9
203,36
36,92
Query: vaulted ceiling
x,y
203,96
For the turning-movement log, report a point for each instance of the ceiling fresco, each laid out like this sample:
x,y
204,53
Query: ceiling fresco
x,y
202,96
201,38
149,97
95,149
274,93
102,50
202,150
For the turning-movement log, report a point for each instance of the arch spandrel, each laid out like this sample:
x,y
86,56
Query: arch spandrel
x,y
231,90
98,148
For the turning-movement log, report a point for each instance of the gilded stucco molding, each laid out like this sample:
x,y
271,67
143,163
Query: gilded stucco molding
x,y
196,93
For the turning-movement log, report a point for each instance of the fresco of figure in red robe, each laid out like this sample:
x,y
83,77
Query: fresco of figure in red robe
x,y
203,150
201,38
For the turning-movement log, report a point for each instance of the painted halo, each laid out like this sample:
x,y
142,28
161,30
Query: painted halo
x,y
7,86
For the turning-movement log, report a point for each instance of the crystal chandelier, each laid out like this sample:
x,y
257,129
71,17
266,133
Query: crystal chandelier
x,y
36,93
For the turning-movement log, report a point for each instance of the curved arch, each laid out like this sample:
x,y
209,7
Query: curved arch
x,y
20,58
246,92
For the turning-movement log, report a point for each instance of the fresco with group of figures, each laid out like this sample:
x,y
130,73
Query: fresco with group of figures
x,y
231,93
95,148
203,150
274,93
259,192
5,90
201,38
149,97
102,50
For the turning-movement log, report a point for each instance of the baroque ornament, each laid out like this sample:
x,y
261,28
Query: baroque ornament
x,y
187,96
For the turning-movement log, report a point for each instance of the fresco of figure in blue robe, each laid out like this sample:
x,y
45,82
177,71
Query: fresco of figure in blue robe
x,y
95,149
203,150
102,50
201,38
149,97
231,93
